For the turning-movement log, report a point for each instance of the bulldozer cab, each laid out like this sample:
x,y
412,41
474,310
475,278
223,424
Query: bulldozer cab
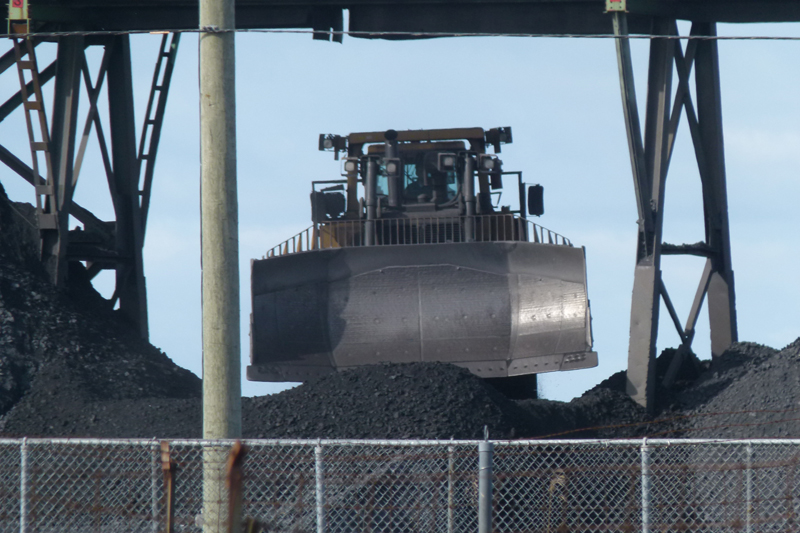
x,y
417,172
421,178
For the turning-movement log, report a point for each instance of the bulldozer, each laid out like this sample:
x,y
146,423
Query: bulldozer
x,y
411,257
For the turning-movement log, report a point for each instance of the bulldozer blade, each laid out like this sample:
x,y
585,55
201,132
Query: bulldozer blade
x,y
496,308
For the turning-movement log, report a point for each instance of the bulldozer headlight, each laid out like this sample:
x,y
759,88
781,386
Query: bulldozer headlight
x,y
489,163
350,165
392,167
446,162
328,141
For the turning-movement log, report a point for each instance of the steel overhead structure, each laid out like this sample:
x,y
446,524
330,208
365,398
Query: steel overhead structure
x,y
668,100
456,16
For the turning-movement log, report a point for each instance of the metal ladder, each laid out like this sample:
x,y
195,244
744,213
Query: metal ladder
x,y
46,203
151,129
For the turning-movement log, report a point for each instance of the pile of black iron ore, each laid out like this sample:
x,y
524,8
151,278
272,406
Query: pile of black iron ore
x,y
70,367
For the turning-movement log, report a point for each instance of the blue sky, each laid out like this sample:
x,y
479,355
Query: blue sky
x,y
561,96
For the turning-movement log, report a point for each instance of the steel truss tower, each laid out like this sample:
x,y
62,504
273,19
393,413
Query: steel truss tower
x,y
58,147
650,159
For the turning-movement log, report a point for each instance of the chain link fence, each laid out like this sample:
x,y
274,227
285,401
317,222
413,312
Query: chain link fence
x,y
149,486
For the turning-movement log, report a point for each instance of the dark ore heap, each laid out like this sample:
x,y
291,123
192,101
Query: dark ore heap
x,y
69,366
60,353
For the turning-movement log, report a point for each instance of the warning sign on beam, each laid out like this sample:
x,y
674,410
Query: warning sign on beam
x,y
616,5
17,16
18,10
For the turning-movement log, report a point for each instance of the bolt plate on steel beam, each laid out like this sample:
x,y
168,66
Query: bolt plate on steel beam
x,y
47,221
616,5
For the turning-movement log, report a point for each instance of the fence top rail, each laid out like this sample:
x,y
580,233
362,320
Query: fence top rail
x,y
398,443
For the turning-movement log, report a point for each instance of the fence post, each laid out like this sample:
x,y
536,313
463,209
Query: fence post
x,y
485,449
645,450
469,198
155,469
451,466
320,492
748,480
23,486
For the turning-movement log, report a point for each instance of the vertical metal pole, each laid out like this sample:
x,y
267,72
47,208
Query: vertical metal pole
x,y
154,485
748,480
371,192
352,192
23,486
451,466
485,450
469,197
393,179
222,408
645,450
320,492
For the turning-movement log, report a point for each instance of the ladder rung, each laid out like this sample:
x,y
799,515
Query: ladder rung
x,y
28,65
40,147
158,87
145,156
33,106
149,121
47,221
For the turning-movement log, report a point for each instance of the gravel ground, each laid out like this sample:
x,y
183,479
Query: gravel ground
x,y
69,366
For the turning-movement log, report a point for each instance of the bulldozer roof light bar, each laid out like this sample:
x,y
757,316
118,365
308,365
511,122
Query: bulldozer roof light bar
x,y
451,134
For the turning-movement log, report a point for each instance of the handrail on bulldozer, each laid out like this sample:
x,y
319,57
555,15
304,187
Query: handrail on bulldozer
x,y
418,230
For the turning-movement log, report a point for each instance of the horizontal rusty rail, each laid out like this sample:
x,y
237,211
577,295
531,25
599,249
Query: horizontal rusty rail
x,y
418,230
